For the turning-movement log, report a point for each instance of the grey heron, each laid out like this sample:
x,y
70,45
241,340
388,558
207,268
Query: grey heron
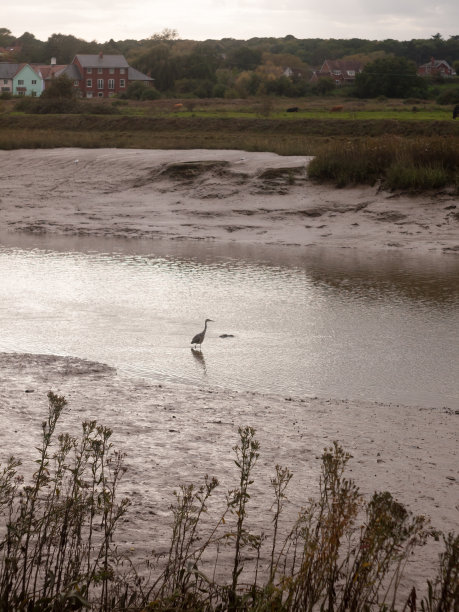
x,y
199,338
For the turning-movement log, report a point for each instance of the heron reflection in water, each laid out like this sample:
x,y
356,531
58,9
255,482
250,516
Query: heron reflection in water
x,y
199,338
199,356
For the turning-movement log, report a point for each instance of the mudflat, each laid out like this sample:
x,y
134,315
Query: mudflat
x,y
259,198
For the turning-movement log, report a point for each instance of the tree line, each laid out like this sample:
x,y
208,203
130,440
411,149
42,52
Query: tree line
x,y
241,68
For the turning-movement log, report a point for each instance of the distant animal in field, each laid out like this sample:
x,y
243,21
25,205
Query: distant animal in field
x,y
456,111
177,106
336,109
199,338
293,109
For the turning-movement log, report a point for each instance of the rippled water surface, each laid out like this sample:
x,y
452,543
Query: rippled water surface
x,y
347,325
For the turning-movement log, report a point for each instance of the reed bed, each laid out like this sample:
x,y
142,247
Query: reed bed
x,y
408,164
58,548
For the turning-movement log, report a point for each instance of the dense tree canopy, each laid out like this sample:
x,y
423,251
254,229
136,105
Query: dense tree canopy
x,y
230,67
393,77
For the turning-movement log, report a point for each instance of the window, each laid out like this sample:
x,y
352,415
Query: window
x,y
21,82
100,83
122,83
351,73
111,71
111,83
89,83
100,94
5,81
34,82
34,94
122,71
100,71
89,94
76,83
89,70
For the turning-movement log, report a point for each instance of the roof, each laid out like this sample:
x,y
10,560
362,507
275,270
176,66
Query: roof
x,y
49,71
102,61
72,71
8,70
343,65
136,75
433,63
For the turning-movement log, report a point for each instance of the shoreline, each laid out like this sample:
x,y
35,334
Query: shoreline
x,y
214,196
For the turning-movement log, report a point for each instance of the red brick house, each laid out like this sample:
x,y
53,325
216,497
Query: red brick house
x,y
341,71
103,76
436,68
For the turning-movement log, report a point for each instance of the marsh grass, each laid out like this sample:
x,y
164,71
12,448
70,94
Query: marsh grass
x,y
409,164
342,553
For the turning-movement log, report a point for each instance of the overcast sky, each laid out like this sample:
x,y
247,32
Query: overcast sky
x,y
201,19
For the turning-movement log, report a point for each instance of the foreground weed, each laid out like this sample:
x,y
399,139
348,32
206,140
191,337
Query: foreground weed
x,y
59,529
343,553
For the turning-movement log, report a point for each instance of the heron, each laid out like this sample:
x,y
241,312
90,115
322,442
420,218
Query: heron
x,y
199,338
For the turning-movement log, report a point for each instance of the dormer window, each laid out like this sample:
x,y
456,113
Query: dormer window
x,y
351,73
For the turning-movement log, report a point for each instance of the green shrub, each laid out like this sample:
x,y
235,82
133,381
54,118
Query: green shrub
x,y
448,96
45,106
151,94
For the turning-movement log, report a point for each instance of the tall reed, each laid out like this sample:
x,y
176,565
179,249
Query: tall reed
x,y
411,164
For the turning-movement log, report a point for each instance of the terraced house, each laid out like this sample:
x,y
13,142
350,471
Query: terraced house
x,y
20,79
103,76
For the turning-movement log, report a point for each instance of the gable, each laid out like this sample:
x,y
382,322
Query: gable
x,y
26,72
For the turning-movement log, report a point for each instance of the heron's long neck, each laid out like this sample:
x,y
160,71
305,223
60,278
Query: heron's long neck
x,y
205,327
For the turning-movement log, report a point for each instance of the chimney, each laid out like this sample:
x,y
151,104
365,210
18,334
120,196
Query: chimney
x,y
432,60
53,61
101,55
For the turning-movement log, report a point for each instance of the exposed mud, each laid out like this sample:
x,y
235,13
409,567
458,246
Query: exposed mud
x,y
212,195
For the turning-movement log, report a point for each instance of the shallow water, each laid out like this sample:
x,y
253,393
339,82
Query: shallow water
x,y
346,324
